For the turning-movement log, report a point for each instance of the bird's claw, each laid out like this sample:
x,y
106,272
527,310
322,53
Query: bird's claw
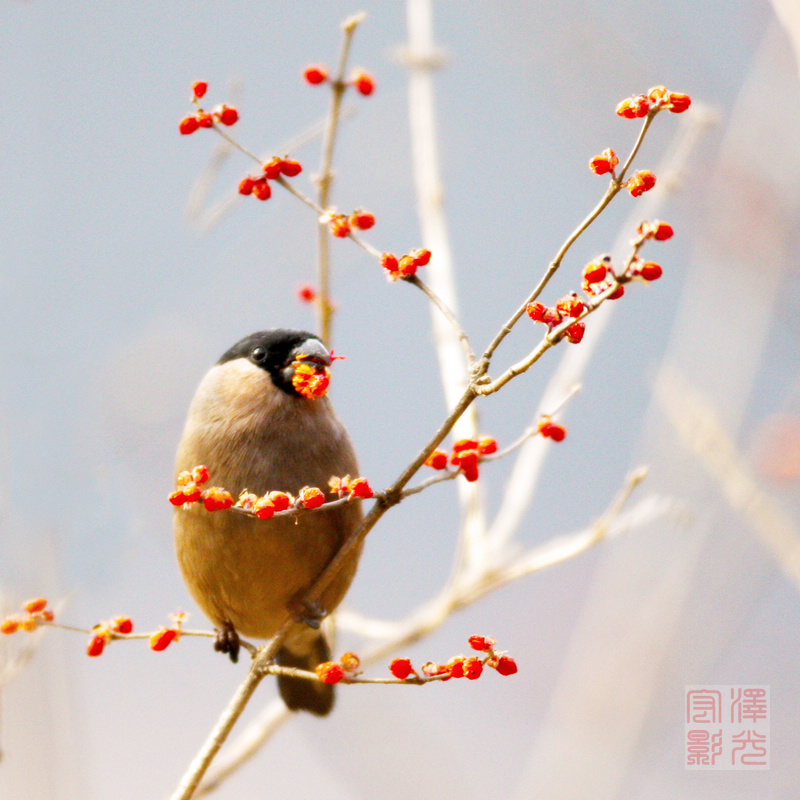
x,y
309,612
227,641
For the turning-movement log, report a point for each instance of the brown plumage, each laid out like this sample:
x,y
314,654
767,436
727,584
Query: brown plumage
x,y
253,431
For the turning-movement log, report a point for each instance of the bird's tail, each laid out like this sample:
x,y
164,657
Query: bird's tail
x,y
300,694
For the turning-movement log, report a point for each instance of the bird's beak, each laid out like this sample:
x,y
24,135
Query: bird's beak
x,y
313,351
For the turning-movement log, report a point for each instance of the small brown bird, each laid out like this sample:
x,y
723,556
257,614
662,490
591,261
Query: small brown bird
x,y
253,430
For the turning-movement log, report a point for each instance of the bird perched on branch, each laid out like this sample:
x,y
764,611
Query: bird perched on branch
x,y
257,426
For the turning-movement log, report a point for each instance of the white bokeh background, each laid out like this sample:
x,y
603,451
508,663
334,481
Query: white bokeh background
x,y
114,304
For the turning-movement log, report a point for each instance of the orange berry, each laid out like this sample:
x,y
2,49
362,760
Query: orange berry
x,y
487,446
634,107
315,74
188,125
36,605
312,497
605,162
205,120
506,665
191,492
339,226
595,271
658,94
199,88
481,643
246,185
122,625
261,189
329,672
216,499
407,266
571,305
464,444
350,662
401,668
162,639
9,625
310,381
640,182
364,83
291,168
263,509
200,474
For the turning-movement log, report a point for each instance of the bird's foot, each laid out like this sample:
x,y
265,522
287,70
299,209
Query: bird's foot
x,y
227,641
307,611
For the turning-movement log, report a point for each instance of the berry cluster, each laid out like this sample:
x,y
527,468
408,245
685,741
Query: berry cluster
x,y
640,182
570,306
342,226
36,612
259,187
227,115
466,455
104,632
405,266
607,161
470,667
351,488
190,491
337,671
600,277
361,81
657,99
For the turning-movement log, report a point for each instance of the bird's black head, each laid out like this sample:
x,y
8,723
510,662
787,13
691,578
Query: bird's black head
x,y
275,351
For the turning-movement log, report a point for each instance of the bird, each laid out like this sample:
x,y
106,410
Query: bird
x,y
255,431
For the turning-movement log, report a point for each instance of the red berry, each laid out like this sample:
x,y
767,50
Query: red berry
x,y
312,497
468,464
364,83
97,643
481,643
9,625
200,474
188,125
263,509
663,231
571,305
536,311
122,625
199,88
617,293
437,460
177,498
261,189
401,668
557,433
487,446
473,668
575,332
360,488
605,162
36,605
291,168
362,220
246,185
330,672
205,120
339,226
407,266
421,256
307,293
315,74
650,271
272,169
228,115
162,639
678,103
389,262
506,665
280,500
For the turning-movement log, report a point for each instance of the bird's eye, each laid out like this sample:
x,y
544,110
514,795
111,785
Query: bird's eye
x,y
258,354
